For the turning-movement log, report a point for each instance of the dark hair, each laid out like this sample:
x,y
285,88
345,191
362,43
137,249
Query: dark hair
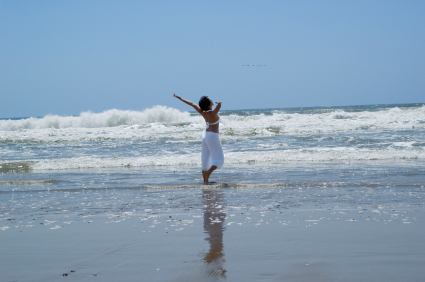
x,y
204,103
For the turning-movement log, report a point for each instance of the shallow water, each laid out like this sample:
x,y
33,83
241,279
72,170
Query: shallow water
x,y
332,222
285,186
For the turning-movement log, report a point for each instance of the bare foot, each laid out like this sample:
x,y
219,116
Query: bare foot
x,y
208,173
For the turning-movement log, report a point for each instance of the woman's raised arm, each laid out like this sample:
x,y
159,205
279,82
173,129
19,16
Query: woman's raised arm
x,y
190,103
217,108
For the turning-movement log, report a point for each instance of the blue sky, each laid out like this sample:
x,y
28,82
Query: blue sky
x,y
65,57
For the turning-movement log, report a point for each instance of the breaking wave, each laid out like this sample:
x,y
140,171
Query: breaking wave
x,y
109,118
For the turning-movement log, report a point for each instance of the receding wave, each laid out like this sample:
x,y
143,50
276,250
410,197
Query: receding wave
x,y
215,185
21,166
28,182
232,158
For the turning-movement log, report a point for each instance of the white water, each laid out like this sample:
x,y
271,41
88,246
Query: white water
x,y
232,158
163,136
110,118
117,124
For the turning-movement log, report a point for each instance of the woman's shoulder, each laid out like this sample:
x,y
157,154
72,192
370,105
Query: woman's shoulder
x,y
209,115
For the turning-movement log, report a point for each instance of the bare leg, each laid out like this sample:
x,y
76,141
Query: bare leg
x,y
208,173
203,175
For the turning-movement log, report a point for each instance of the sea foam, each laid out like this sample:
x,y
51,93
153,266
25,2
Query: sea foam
x,y
162,136
234,158
118,124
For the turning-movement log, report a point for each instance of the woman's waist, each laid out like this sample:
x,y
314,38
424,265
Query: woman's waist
x,y
211,130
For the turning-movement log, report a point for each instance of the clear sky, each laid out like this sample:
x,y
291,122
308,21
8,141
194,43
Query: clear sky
x,y
65,57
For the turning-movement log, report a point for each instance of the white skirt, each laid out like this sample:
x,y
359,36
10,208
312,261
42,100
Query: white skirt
x,y
212,152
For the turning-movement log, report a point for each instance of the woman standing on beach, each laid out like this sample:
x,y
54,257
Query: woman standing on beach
x,y
212,156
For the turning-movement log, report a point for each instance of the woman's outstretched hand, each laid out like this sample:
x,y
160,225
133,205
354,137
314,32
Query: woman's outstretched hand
x,y
178,97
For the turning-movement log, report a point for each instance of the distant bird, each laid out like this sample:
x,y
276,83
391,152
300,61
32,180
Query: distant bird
x,y
247,65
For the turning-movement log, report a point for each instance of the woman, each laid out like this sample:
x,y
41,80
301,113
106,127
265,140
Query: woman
x,y
212,156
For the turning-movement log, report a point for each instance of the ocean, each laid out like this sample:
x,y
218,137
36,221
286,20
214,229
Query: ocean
x,y
120,193
261,146
354,147
166,138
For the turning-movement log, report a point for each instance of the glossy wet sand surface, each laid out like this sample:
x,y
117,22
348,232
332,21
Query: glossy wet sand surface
x,y
214,233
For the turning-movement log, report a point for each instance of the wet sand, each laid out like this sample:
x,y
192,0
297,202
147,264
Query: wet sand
x,y
212,233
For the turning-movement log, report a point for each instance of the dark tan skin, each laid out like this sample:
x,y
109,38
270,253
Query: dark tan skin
x,y
210,116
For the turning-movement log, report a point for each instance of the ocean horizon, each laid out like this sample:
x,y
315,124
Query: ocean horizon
x,y
370,106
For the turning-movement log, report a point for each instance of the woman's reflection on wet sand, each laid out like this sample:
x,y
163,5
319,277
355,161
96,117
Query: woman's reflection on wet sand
x,y
214,216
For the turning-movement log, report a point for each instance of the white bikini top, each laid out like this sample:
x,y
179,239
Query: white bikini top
x,y
208,124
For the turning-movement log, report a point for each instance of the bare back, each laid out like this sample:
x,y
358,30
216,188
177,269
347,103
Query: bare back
x,y
211,118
